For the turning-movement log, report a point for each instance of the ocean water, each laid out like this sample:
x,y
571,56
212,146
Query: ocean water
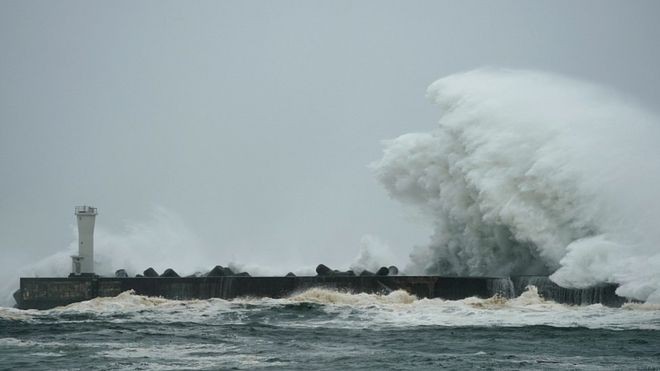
x,y
322,329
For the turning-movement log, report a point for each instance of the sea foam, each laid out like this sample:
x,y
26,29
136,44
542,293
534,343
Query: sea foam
x,y
324,308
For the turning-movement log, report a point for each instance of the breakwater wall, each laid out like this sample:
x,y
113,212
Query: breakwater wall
x,y
45,293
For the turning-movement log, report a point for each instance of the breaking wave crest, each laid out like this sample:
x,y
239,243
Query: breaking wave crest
x,y
324,296
127,301
534,173
325,308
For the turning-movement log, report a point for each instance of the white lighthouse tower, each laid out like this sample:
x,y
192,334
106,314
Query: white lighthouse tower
x,y
83,263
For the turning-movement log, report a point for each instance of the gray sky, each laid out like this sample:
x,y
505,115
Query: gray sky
x,y
254,121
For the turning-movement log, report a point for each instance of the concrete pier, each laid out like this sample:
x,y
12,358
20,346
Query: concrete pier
x,y
45,293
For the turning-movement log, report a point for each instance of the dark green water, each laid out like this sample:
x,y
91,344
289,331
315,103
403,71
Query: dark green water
x,y
326,330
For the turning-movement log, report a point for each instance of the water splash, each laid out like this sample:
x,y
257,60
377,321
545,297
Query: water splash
x,y
534,173
374,253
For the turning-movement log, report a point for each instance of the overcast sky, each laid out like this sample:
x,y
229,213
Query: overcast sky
x,y
255,121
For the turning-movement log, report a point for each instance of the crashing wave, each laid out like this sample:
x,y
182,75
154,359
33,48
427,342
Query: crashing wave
x,y
532,173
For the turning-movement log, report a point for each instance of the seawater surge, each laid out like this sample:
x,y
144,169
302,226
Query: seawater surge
x,y
46,293
335,308
531,173
319,326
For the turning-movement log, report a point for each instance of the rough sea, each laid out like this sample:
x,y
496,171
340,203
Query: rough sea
x,y
322,329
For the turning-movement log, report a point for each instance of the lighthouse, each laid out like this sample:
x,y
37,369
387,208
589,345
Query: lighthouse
x,y
83,263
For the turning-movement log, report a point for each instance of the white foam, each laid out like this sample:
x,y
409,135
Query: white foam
x,y
190,356
324,296
15,342
346,310
13,314
527,310
160,356
125,302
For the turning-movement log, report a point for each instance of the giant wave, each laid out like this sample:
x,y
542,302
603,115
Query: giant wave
x,y
534,173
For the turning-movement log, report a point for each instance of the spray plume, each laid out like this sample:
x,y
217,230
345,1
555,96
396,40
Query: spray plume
x,y
534,173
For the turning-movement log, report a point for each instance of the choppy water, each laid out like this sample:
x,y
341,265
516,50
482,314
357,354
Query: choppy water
x,y
326,329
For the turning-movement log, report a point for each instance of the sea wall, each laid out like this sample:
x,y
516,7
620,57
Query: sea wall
x,y
44,293
603,294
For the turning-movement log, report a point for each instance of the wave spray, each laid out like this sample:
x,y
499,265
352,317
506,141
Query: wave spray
x,y
534,173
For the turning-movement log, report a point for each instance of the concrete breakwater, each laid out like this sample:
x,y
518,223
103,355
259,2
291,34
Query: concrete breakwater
x,y
45,293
